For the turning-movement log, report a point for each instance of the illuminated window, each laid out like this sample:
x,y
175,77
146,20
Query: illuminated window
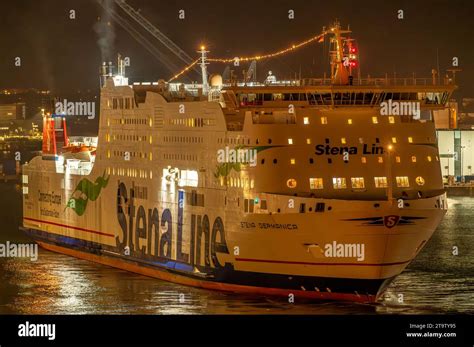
x,y
375,120
188,178
402,181
380,182
391,119
363,160
324,120
413,159
308,141
151,156
291,183
361,140
108,153
380,160
394,140
428,158
339,182
420,181
349,121
290,141
410,139
293,161
357,182
306,120
151,139
343,140
316,183
397,159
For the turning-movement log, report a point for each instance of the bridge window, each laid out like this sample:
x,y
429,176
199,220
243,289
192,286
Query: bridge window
x,y
290,141
410,139
324,120
413,159
349,121
375,120
306,120
308,141
391,119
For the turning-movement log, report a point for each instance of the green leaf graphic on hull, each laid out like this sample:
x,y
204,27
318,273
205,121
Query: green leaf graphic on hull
x,y
85,191
224,169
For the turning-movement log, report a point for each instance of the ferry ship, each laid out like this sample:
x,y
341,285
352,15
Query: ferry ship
x,y
302,188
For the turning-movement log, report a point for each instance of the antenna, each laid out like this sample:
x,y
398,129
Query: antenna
x,y
203,64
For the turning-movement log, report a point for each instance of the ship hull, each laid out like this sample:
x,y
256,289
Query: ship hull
x,y
231,281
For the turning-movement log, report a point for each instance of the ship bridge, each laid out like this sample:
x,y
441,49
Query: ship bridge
x,y
320,92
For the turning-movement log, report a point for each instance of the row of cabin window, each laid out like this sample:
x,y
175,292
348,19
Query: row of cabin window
x,y
375,120
362,159
356,182
122,103
343,140
237,182
188,139
141,138
129,121
129,172
124,154
180,156
193,122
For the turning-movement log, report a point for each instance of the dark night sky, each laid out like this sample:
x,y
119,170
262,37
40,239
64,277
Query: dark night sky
x,y
63,55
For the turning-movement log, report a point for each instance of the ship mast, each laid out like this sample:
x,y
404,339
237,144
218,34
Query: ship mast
x,y
339,65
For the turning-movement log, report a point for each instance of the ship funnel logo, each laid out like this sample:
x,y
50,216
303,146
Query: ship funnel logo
x,y
85,191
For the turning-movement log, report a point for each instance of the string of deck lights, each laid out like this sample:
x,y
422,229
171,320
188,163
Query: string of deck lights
x,y
256,57
184,70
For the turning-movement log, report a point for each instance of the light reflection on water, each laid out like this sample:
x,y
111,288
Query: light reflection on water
x,y
435,282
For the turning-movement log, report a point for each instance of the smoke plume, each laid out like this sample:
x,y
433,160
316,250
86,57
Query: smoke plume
x,y
105,31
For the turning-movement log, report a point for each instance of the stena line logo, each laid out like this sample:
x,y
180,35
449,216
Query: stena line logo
x,y
151,233
390,221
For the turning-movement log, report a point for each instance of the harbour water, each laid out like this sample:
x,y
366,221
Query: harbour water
x,y
437,281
